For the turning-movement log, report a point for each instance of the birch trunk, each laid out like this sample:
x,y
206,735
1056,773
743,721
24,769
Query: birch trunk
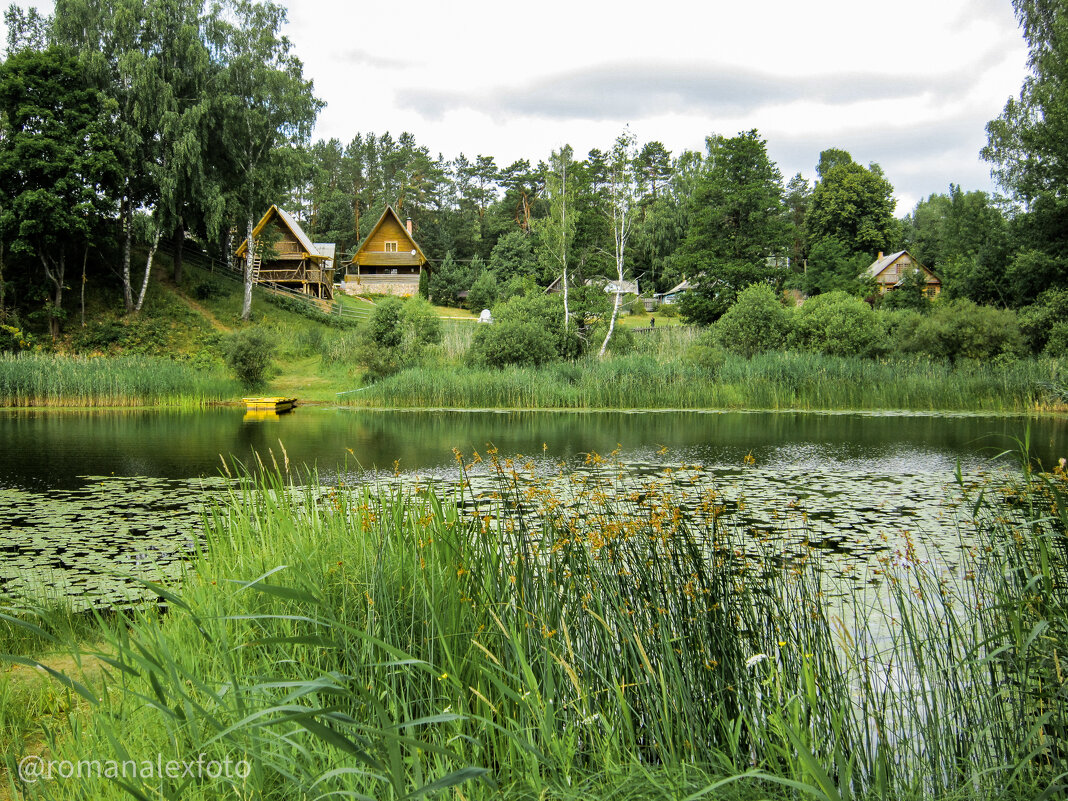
x,y
148,271
246,307
127,228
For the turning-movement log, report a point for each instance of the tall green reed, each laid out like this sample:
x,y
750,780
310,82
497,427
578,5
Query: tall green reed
x,y
385,642
29,379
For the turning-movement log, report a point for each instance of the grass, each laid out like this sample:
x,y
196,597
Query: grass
x,y
35,379
381,644
769,381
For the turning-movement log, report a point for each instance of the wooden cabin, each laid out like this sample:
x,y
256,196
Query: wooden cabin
x,y
284,255
888,272
388,262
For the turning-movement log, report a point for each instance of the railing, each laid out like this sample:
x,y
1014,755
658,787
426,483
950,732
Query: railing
x,y
405,259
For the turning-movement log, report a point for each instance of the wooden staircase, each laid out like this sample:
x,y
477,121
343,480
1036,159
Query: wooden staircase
x,y
257,261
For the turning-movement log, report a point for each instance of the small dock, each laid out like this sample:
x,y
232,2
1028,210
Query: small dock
x,y
275,405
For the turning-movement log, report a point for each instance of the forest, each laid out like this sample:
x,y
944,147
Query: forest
x,y
131,126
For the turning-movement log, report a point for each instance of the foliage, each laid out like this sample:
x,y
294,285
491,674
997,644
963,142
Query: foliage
x,y
446,281
959,329
737,224
756,322
513,255
526,330
834,266
910,293
483,293
853,204
839,325
397,336
249,354
59,164
512,341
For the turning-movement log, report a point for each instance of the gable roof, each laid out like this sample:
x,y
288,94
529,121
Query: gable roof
x,y
879,265
288,222
388,211
685,286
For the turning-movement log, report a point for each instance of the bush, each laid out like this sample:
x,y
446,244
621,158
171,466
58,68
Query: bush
x,y
706,352
513,341
397,335
838,324
1037,321
961,329
668,310
248,354
756,322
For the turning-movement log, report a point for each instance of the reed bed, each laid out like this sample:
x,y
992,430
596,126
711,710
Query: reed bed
x,y
380,643
31,379
768,381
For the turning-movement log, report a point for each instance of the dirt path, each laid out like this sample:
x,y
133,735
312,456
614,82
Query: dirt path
x,y
207,315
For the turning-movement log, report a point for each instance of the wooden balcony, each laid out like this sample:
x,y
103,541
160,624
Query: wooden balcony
x,y
405,259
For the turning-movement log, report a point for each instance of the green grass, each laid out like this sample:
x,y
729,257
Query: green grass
x,y
768,381
32,379
378,644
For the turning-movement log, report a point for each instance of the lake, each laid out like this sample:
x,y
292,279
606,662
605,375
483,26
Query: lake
x,y
90,498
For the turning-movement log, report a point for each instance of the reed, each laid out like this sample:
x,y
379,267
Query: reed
x,y
32,379
388,643
768,381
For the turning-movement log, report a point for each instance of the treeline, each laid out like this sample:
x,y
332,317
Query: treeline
x,y
135,123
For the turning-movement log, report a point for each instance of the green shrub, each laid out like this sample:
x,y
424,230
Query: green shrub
x,y
1057,342
960,329
513,341
756,322
1037,320
838,324
397,336
248,354
706,352
668,310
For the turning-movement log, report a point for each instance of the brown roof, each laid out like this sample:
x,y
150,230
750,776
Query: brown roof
x,y
389,211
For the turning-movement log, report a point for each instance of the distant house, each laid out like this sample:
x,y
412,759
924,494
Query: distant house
x,y
283,254
673,294
889,271
388,261
614,287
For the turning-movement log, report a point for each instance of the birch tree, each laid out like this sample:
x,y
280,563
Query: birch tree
x,y
557,231
622,193
264,110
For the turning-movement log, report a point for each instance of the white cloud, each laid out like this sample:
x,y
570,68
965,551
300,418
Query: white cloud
x,y
909,85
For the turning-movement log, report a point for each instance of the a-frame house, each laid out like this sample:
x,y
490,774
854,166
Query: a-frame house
x,y
283,254
388,262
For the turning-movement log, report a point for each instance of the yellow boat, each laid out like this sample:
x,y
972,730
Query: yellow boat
x,y
276,405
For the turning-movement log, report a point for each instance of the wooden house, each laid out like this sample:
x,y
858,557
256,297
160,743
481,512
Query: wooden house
x,y
889,271
283,254
673,294
388,262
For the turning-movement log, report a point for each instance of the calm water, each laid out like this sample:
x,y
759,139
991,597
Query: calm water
x,y
54,449
89,498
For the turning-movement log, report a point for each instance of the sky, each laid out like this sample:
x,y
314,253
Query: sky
x,y
909,85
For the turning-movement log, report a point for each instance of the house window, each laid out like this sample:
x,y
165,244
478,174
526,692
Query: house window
x,y
391,247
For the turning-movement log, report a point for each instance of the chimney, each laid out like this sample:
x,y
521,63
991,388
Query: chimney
x,y
408,225
410,230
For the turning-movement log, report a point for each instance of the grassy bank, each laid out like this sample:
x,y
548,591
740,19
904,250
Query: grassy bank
x,y
768,381
380,645
33,379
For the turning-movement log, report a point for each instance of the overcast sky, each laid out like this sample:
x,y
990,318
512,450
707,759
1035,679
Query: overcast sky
x,y
910,84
